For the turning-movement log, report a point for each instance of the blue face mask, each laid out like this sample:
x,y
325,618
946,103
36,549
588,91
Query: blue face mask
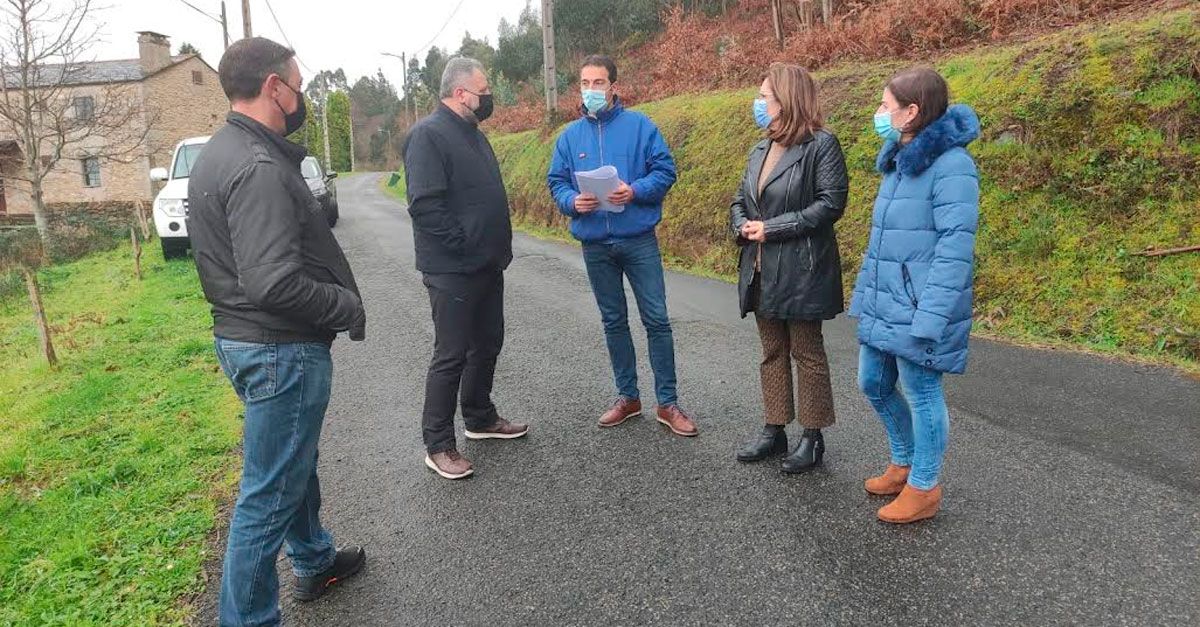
x,y
884,128
761,118
595,100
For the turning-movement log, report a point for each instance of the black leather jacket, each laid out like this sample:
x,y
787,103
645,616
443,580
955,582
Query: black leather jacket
x,y
801,270
267,260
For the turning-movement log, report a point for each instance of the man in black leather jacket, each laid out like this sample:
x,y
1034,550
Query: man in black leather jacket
x,y
281,290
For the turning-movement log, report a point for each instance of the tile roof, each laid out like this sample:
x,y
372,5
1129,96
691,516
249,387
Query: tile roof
x,y
89,73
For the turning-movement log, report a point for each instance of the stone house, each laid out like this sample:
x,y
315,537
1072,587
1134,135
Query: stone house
x,y
178,96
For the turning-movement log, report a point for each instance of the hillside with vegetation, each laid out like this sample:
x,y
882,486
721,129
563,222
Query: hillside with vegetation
x,y
1090,155
696,46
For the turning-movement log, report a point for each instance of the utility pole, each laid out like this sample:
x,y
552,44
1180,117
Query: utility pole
x,y
352,165
408,104
247,31
407,95
412,102
550,76
224,25
325,122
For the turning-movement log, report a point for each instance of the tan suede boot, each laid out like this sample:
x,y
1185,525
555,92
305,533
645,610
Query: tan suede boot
x,y
890,482
912,505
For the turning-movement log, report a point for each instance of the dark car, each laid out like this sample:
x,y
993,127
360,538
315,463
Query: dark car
x,y
322,187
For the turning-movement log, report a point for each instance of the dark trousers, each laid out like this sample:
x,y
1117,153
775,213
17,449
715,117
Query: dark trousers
x,y
468,323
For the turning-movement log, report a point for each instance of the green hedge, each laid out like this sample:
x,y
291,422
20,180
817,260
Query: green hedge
x,y
1091,151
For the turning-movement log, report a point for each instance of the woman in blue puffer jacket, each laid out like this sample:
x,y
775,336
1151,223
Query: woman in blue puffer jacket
x,y
913,294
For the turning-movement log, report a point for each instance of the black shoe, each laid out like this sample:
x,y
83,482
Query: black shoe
x,y
808,453
770,442
347,564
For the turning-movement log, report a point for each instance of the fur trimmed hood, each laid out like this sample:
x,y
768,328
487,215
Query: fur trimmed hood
x,y
958,127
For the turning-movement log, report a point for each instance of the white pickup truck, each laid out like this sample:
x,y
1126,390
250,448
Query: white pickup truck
x,y
170,205
171,208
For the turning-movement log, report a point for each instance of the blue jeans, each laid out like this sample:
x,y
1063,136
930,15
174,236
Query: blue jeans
x,y
285,388
639,260
917,423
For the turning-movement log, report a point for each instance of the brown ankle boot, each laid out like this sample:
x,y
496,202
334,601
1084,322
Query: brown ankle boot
x,y
912,505
890,482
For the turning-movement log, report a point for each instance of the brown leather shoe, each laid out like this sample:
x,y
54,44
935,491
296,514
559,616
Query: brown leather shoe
x,y
912,505
501,430
890,482
678,422
449,464
623,409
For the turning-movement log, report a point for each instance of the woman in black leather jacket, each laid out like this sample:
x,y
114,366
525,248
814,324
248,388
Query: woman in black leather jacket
x,y
790,274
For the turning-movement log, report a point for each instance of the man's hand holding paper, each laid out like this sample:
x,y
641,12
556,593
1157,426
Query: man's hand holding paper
x,y
623,196
604,184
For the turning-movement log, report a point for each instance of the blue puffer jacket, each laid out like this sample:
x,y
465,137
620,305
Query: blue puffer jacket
x,y
629,141
913,296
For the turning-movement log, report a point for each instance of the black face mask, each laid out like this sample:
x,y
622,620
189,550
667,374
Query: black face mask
x,y
294,120
486,106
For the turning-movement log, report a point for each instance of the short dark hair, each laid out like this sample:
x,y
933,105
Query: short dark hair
x,y
925,88
600,60
248,62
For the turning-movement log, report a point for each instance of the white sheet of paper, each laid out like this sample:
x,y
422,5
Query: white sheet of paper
x,y
602,181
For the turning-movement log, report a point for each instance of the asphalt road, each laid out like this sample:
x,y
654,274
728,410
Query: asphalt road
x,y
1072,483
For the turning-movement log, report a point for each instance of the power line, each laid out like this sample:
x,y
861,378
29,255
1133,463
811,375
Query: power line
x,y
201,11
279,26
440,30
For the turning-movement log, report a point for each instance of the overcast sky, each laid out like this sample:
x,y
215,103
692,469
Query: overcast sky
x,y
327,34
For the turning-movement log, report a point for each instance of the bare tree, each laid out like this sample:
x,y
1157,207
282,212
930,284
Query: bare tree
x,y
777,21
44,45
804,10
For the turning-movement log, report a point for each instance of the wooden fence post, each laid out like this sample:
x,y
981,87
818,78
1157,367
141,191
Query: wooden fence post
x,y
39,315
137,253
144,222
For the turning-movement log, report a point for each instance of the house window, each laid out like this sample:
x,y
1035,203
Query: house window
x,y
197,78
85,108
91,172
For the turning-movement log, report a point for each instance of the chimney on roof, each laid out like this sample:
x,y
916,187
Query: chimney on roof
x,y
154,51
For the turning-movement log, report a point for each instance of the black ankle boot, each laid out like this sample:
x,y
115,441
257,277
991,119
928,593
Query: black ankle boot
x,y
771,441
808,453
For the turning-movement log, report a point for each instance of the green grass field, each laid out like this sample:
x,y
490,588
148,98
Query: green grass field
x,y
113,466
1091,152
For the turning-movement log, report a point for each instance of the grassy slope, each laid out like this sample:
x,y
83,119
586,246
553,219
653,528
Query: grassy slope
x,y
1091,151
112,467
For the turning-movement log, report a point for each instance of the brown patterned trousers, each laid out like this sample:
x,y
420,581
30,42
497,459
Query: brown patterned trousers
x,y
801,341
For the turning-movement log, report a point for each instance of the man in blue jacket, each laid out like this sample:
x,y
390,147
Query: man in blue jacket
x,y
619,245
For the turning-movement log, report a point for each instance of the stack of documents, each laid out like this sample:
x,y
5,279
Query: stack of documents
x,y
601,182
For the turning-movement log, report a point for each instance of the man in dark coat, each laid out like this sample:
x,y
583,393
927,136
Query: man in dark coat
x,y
463,241
280,290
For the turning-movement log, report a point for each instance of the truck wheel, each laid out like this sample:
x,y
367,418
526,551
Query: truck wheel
x,y
332,216
173,249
